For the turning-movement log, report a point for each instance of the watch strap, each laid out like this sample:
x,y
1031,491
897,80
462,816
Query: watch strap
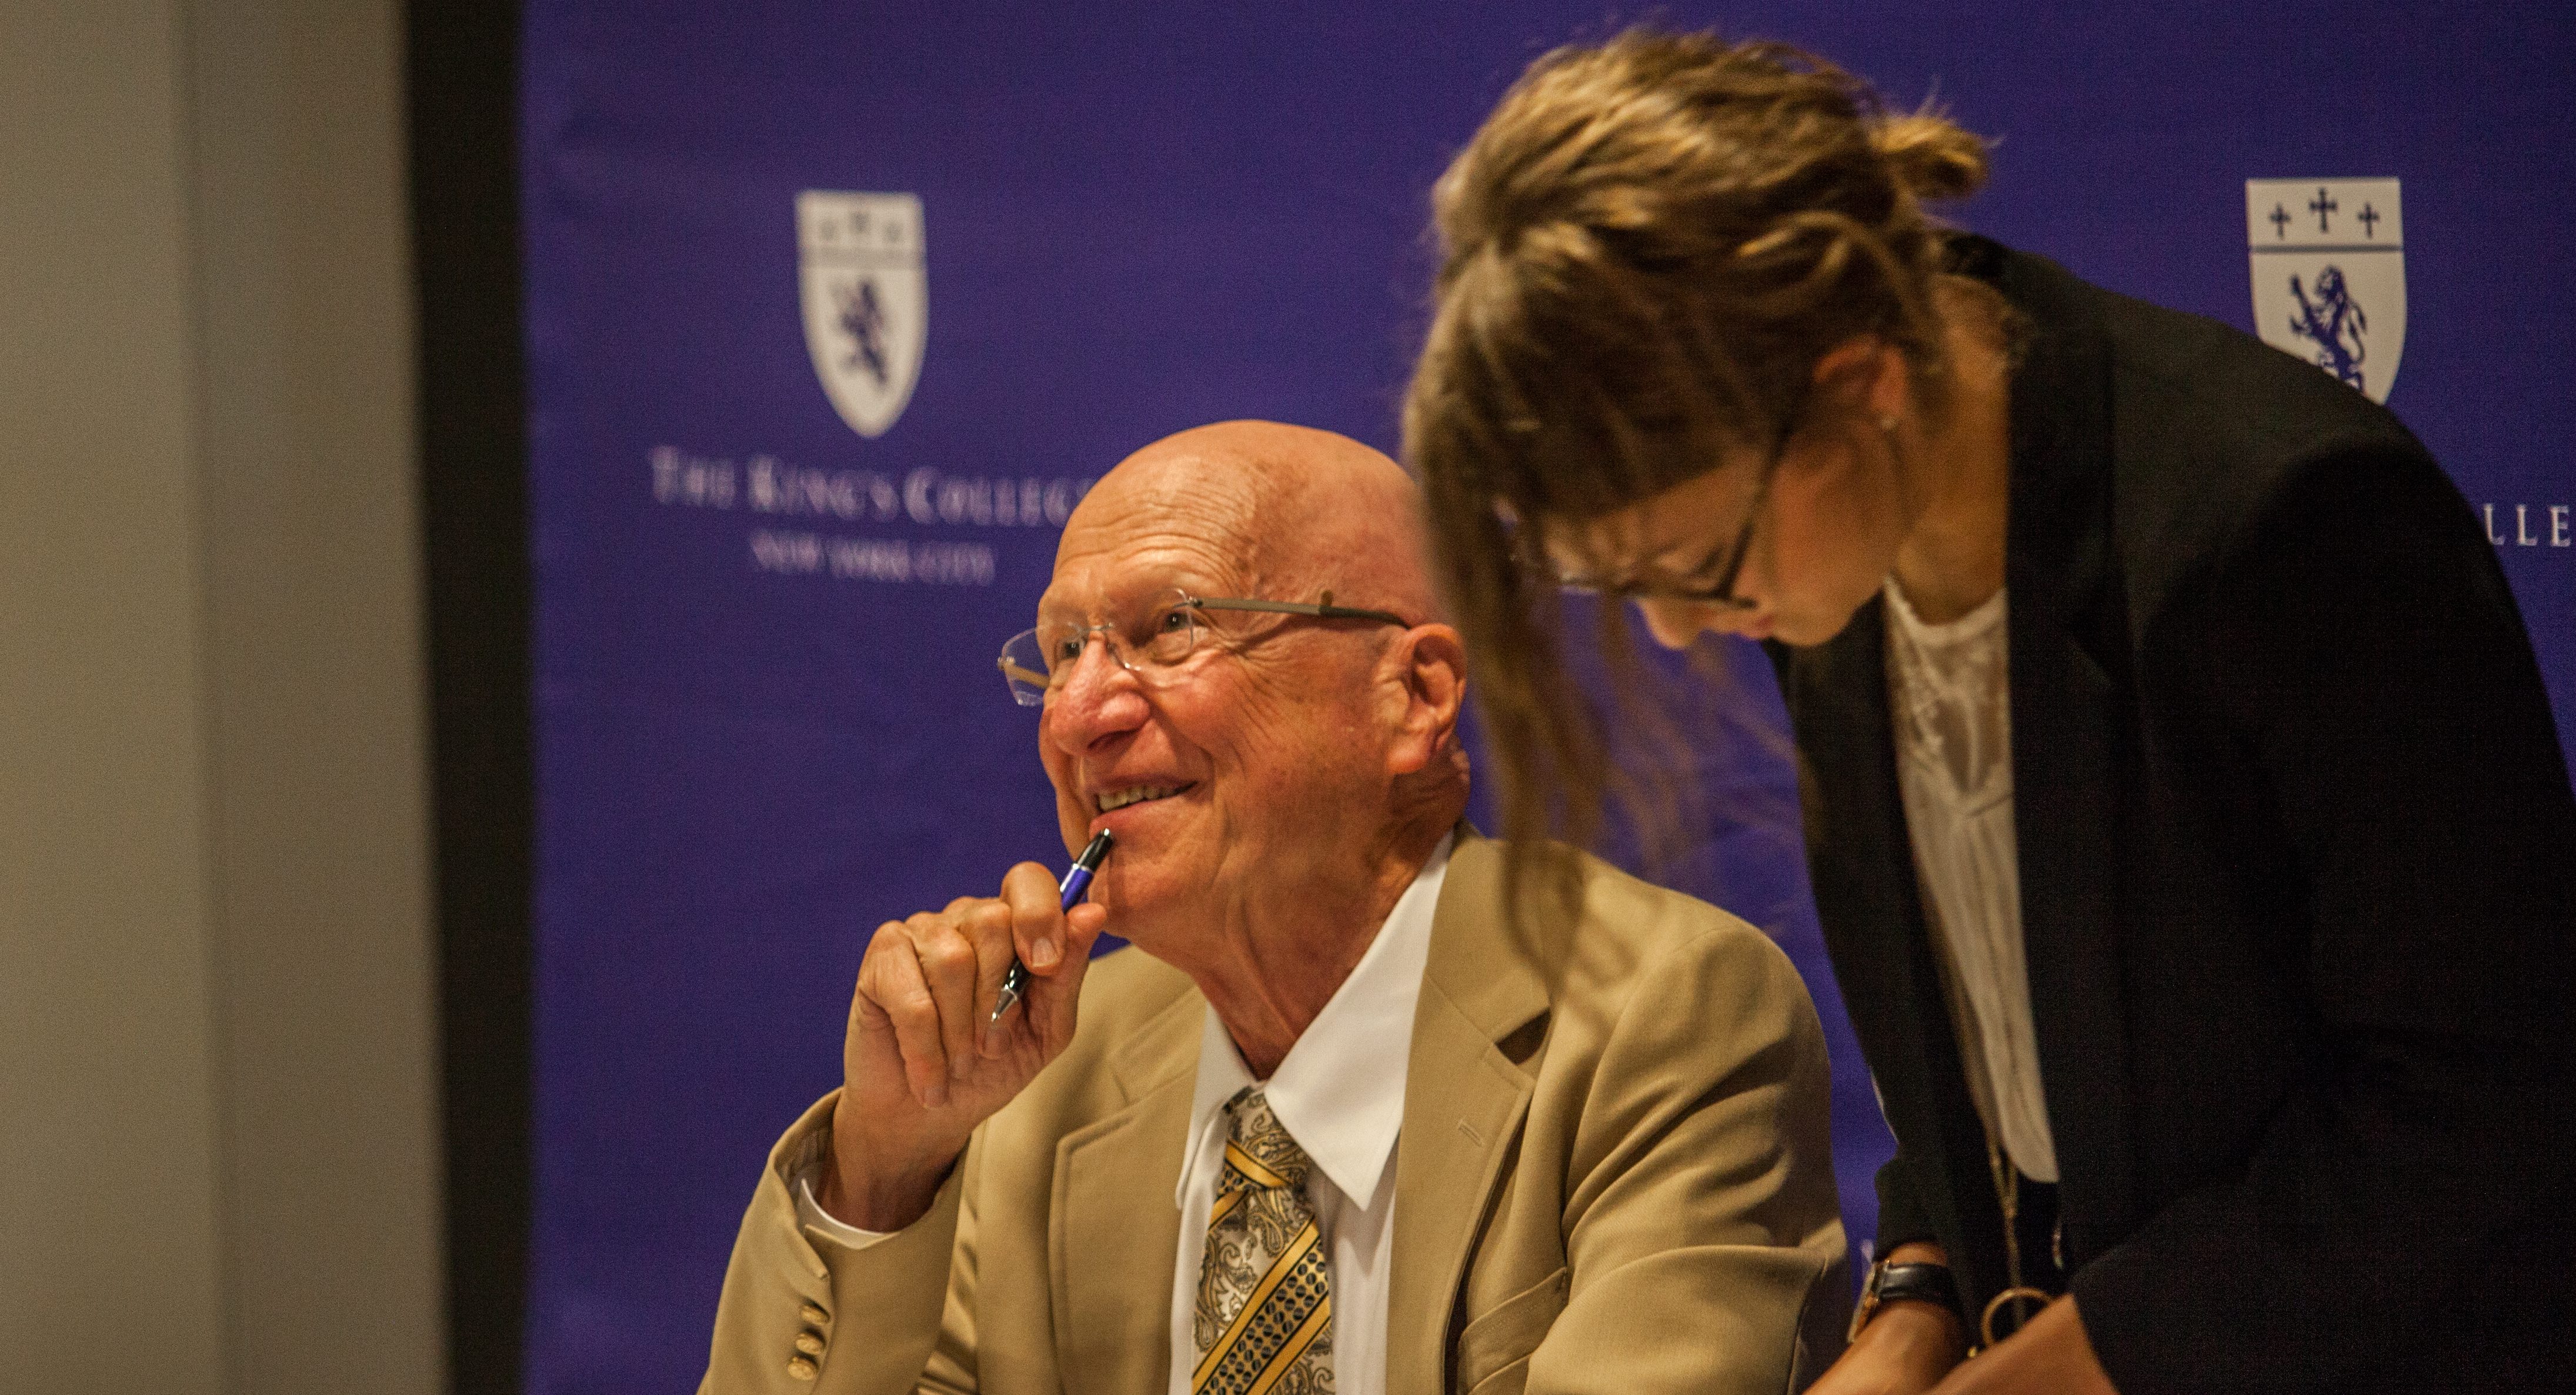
x,y
1918,1281
1922,1281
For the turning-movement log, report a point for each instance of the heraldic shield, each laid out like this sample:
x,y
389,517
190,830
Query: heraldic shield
x,y
866,300
2329,259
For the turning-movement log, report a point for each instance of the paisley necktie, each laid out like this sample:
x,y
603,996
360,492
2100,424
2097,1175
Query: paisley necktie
x,y
1264,1319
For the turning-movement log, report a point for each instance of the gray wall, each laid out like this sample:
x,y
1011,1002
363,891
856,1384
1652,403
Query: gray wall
x,y
218,1104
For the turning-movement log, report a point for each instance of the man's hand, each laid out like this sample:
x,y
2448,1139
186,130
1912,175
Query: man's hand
x,y
1906,1348
921,1067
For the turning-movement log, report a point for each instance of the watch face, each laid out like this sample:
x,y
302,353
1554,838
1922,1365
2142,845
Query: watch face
x,y
1868,1305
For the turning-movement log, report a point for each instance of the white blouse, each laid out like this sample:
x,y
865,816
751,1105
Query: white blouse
x,y
1948,692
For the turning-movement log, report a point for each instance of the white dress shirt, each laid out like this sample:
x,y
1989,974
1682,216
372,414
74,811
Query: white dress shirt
x,y
1950,697
1340,1094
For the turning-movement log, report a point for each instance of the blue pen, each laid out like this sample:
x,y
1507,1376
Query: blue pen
x,y
1077,880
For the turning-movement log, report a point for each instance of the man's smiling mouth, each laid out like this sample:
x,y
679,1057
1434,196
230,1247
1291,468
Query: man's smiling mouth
x,y
1135,794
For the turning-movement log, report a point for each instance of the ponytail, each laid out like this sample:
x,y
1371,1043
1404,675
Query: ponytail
x,y
1932,159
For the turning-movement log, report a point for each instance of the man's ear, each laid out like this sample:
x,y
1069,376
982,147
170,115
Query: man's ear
x,y
1430,683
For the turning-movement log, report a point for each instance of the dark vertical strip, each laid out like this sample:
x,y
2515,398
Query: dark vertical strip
x,y
461,68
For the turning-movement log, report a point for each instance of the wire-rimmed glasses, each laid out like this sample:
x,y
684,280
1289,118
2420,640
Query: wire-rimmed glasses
x,y
1158,634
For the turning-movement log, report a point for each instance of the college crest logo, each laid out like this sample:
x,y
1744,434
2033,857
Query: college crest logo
x,y
866,298
2329,259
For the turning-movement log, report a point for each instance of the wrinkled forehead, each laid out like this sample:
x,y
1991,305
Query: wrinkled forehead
x,y
1101,584
1127,546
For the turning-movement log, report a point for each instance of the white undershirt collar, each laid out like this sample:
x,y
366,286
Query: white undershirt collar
x,y
1340,1090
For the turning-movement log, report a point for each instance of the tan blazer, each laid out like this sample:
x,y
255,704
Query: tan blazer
x,y
1614,1175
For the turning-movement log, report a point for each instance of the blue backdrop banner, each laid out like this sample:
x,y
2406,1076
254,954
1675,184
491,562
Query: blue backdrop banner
x,y
834,312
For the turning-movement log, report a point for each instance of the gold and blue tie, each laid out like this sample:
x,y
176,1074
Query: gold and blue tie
x,y
1263,1324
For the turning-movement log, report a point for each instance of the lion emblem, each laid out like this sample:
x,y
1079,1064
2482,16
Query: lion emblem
x,y
2334,323
863,319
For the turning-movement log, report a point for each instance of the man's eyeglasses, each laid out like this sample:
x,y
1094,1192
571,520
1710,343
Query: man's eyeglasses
x,y
1159,634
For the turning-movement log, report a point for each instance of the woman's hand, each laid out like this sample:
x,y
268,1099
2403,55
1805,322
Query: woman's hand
x,y
1907,1346
1905,1350
2050,1355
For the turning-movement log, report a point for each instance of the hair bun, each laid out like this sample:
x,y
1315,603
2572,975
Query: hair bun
x,y
1933,158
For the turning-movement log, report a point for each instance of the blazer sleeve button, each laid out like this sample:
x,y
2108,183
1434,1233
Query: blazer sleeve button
x,y
800,1368
814,1315
809,1343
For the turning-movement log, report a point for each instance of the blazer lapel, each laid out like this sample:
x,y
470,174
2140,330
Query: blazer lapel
x,y
1463,1102
1861,859
2069,652
2066,830
1114,1224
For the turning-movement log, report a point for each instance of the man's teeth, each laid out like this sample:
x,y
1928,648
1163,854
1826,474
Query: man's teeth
x,y
1138,795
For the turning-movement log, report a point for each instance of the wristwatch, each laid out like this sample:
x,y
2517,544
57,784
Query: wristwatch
x,y
1921,1280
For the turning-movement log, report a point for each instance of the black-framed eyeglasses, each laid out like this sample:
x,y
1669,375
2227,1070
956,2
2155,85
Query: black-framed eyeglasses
x,y
1720,591
1156,635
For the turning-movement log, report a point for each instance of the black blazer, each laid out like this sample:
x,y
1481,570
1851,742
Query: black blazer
x,y
2298,879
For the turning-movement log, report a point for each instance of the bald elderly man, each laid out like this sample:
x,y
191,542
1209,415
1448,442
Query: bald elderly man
x,y
1335,1123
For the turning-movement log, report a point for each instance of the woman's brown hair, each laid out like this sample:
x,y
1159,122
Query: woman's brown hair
x,y
1645,251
